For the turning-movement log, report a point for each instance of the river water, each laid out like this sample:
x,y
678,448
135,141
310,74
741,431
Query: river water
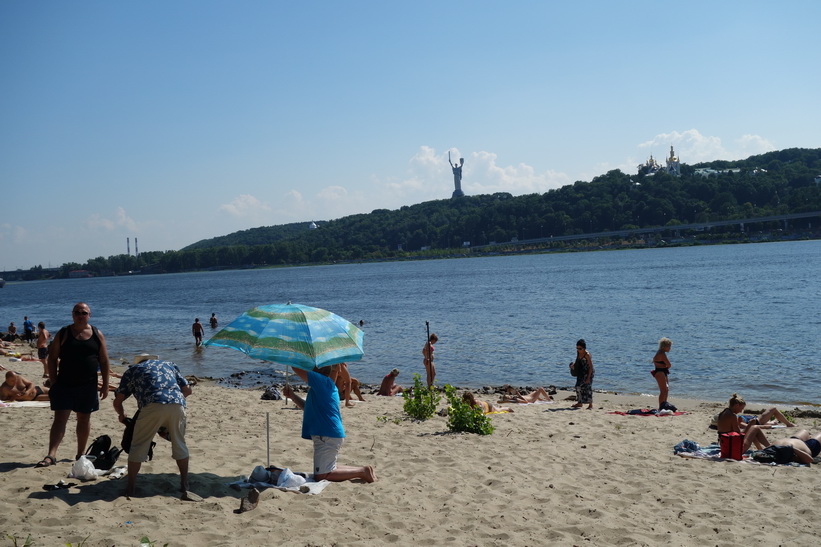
x,y
743,318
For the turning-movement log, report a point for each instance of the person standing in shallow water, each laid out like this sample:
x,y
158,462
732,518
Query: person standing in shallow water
x,y
197,331
427,354
584,376
662,369
214,321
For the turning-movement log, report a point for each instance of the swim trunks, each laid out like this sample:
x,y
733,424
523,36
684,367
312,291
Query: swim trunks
x,y
814,446
42,353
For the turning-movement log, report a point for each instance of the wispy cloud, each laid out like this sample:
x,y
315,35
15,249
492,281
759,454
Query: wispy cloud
x,y
97,222
246,206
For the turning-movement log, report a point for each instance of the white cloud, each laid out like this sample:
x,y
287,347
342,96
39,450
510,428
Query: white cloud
x,y
693,147
120,220
246,206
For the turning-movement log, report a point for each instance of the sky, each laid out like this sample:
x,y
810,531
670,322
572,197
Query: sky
x,y
175,121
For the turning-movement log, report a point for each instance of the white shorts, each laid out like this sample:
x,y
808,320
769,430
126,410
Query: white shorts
x,y
326,450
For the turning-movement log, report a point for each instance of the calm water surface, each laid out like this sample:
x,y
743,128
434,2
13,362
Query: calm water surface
x,y
742,317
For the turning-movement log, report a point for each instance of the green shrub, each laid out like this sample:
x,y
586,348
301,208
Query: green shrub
x,y
421,401
463,417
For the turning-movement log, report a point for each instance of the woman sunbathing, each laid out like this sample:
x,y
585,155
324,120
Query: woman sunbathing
x,y
18,388
486,408
513,396
729,422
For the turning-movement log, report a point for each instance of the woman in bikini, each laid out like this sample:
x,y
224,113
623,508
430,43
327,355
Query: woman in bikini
x,y
487,408
729,422
427,354
512,395
662,369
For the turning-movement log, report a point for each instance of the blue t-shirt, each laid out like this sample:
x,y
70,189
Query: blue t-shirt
x,y
321,415
153,381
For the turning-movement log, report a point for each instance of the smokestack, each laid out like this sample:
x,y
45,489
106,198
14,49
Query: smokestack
x,y
136,249
128,245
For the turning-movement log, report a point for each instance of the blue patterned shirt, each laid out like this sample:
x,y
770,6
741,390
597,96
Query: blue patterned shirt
x,y
153,381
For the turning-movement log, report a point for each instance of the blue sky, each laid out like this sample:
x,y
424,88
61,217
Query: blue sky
x,y
174,121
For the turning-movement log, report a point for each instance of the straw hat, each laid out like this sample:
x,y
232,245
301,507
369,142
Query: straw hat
x,y
144,357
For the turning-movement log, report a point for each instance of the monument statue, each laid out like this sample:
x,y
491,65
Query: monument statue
x,y
457,177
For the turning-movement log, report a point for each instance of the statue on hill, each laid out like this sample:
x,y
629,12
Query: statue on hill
x,y
457,177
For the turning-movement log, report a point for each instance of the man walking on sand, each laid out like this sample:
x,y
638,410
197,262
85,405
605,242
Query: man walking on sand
x,y
160,391
74,357
322,424
42,346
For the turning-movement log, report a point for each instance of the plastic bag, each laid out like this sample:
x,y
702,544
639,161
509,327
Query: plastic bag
x,y
83,469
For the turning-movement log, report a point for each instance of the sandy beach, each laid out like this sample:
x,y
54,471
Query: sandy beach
x,y
548,475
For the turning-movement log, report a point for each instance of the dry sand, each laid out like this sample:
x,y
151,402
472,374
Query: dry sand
x,y
547,476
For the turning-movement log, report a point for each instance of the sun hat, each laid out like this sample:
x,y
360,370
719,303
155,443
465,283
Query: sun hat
x,y
139,358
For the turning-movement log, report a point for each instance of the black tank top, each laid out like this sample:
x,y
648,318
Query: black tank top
x,y
79,359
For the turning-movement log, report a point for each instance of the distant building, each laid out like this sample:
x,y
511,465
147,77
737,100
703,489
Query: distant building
x,y
652,166
707,171
312,226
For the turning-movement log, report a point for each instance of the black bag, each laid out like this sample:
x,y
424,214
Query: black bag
x,y
128,435
105,456
573,371
667,406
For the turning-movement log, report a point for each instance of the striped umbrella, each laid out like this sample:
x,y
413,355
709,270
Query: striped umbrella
x,y
292,334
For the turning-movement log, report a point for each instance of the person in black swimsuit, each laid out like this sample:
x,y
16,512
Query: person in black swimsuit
x,y
75,355
662,370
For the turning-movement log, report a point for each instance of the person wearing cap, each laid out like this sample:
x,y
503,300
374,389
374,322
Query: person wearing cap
x,y
389,387
322,424
160,391
75,355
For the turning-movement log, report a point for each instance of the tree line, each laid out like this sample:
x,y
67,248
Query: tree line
x,y
774,183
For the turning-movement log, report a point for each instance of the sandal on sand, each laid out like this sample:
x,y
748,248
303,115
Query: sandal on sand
x,y
46,462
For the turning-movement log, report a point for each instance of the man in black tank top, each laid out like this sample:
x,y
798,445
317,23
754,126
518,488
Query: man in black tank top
x,y
74,357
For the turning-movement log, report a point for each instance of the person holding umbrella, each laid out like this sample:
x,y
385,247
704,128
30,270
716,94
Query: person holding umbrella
x,y
322,424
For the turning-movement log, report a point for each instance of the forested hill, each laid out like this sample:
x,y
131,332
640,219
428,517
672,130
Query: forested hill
x,y
776,183
768,184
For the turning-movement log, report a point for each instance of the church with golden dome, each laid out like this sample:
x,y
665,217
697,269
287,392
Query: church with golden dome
x,y
652,166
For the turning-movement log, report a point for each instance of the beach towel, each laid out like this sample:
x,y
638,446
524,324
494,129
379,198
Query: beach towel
x,y
712,452
288,481
648,412
26,404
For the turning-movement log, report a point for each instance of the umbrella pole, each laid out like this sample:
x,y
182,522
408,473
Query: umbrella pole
x,y
268,437
285,399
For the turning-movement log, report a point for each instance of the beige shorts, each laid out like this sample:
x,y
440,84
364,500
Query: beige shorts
x,y
152,417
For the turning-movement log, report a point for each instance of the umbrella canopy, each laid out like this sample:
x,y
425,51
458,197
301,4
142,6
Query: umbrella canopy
x,y
292,334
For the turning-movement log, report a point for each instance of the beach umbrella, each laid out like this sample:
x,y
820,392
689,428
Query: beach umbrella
x,y
292,334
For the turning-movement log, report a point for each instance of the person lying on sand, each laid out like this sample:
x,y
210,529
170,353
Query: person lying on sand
x,y
804,447
766,420
18,388
513,396
487,408
729,422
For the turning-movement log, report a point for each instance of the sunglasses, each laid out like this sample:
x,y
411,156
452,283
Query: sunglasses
x,y
80,312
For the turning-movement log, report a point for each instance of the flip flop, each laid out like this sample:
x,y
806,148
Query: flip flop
x,y
59,486
46,462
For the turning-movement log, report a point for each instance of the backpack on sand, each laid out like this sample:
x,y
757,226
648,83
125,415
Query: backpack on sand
x,y
104,455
